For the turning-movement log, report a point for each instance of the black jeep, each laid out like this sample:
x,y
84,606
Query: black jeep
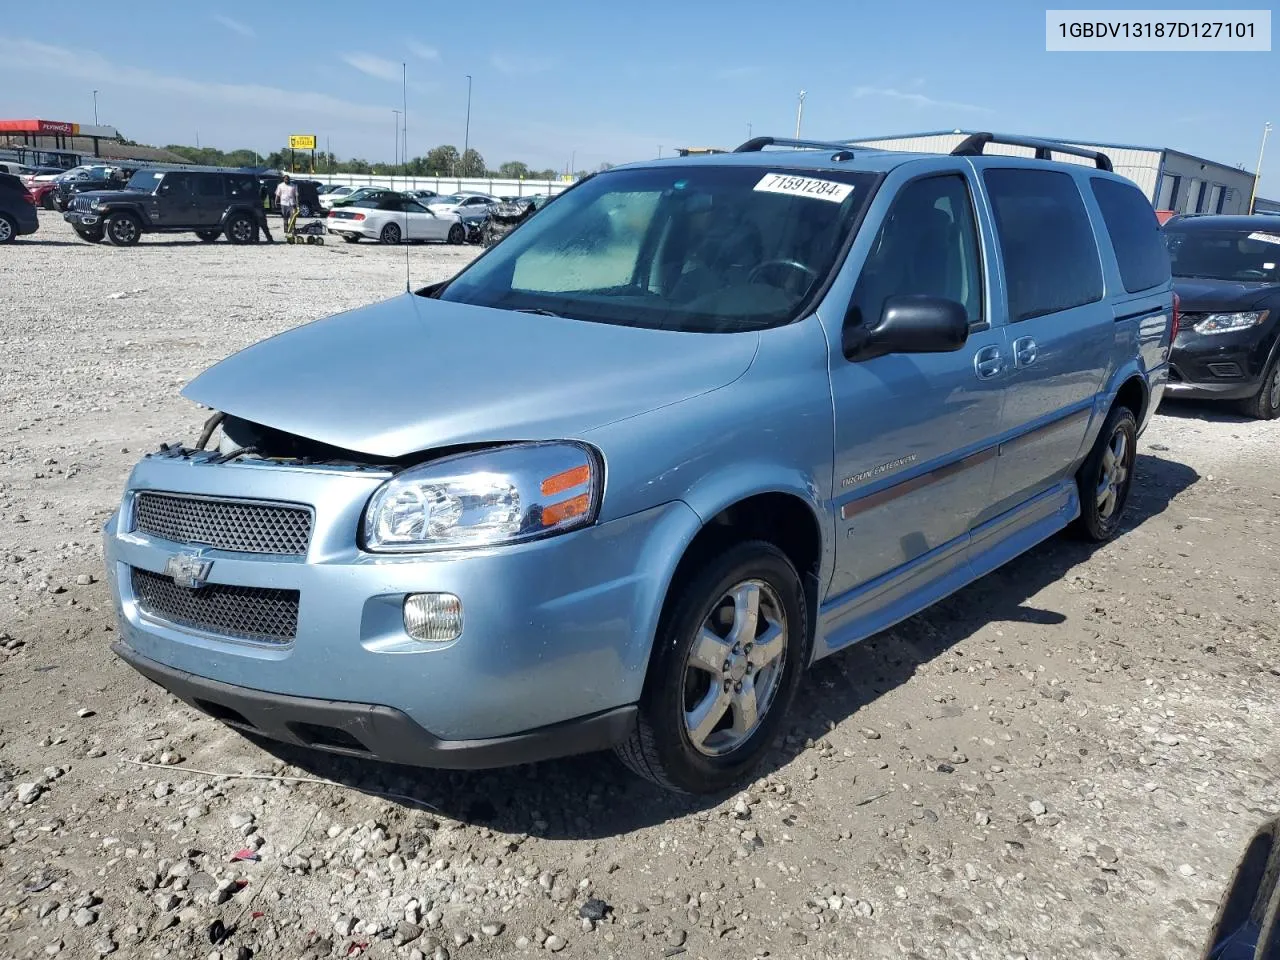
x,y
207,203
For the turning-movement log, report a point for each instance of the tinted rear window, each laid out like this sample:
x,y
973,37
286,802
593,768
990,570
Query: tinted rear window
x,y
1050,256
1135,234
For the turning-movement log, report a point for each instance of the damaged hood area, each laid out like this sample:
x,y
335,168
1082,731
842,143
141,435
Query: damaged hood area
x,y
411,374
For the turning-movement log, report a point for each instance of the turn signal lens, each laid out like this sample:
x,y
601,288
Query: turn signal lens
x,y
566,480
558,513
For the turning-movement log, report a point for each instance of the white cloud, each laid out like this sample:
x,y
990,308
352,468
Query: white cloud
x,y
422,51
235,26
917,99
516,65
41,59
378,67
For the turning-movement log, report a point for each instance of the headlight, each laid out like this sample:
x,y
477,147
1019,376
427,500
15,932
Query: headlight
x,y
507,494
1229,322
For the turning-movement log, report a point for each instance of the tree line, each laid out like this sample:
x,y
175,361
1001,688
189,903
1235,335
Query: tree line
x,y
441,161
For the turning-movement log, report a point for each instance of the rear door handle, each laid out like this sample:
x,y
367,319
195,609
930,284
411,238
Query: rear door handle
x,y
1025,351
988,363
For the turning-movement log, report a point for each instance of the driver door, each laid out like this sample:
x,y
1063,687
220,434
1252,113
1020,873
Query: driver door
x,y
914,455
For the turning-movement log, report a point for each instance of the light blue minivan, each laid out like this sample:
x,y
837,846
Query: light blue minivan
x,y
694,425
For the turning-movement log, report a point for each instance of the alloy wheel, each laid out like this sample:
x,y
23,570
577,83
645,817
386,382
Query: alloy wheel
x,y
6,230
1274,396
1114,474
124,230
734,668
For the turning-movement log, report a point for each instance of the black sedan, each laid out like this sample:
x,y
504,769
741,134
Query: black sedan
x,y
1226,273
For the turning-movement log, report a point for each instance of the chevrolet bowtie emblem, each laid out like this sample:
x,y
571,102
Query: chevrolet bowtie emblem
x,y
188,569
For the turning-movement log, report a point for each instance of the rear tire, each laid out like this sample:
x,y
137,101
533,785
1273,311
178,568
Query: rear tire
x,y
350,239
1106,477
241,228
715,666
8,229
1265,404
90,236
208,236
47,201
390,234
122,229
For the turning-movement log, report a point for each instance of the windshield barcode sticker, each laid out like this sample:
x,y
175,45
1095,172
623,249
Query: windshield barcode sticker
x,y
804,187
1264,237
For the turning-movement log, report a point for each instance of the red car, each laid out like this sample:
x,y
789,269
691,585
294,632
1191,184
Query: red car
x,y
42,193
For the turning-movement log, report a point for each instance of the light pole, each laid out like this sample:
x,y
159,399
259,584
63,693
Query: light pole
x,y
466,133
799,113
1266,129
659,151
748,131
573,163
396,162
95,108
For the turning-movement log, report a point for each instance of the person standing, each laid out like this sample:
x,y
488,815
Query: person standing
x,y
287,197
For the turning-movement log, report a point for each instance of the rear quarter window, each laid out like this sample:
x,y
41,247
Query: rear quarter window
x,y
1135,235
1050,255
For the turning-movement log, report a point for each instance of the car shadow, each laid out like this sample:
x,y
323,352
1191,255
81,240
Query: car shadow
x,y
594,796
1213,411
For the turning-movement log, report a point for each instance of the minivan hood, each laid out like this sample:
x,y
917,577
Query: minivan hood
x,y
1200,295
411,374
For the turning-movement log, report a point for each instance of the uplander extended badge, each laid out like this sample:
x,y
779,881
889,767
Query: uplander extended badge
x,y
584,495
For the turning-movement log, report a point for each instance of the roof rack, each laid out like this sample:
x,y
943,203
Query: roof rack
x,y
756,144
972,145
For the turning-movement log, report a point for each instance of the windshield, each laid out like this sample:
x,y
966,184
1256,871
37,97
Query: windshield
x,y
144,180
455,198
1238,254
706,248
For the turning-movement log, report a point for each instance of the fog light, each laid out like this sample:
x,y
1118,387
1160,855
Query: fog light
x,y
433,616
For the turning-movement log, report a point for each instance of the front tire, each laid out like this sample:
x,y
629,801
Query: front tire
x,y
8,229
90,236
390,234
1265,404
729,655
457,234
122,229
47,201
241,228
349,238
1105,479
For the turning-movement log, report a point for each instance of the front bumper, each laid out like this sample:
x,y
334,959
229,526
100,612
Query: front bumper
x,y
1224,366
554,630
81,218
376,731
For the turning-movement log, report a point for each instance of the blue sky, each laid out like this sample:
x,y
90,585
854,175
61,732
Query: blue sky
x,y
613,82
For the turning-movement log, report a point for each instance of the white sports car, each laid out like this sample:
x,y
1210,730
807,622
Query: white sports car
x,y
332,194
392,218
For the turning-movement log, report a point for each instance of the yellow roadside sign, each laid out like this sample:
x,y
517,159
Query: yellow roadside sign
x,y
302,141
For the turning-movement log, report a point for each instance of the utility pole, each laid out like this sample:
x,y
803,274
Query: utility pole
x,y
748,130
573,163
1253,198
95,108
466,133
799,113
659,151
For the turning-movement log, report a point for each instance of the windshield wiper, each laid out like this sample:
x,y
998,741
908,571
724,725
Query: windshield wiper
x,y
539,311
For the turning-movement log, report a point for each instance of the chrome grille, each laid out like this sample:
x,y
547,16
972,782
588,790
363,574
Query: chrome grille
x,y
244,613
242,526
81,203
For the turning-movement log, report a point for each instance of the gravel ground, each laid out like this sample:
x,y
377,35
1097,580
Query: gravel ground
x,y
1062,760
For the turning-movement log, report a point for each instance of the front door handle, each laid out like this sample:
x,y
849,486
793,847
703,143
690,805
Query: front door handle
x,y
988,363
1025,351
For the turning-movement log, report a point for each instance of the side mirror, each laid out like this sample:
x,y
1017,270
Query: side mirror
x,y
910,323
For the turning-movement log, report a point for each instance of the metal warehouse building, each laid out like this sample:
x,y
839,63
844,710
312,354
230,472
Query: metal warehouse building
x,y
1172,180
